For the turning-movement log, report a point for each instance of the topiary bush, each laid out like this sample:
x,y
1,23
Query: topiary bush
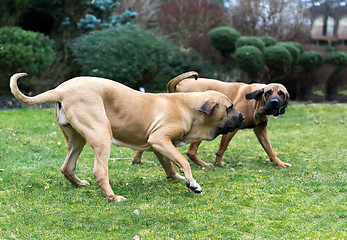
x,y
277,58
126,54
249,60
294,51
311,61
23,51
224,39
268,41
338,59
181,61
250,41
299,47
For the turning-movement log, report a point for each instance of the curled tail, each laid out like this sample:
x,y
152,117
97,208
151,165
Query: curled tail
x,y
171,86
46,97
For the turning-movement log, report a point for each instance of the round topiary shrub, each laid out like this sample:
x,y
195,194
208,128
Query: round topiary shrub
x,y
293,50
277,58
311,61
23,51
249,60
250,41
268,41
299,47
126,54
339,59
224,39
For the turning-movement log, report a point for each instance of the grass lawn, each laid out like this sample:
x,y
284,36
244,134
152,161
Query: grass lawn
x,y
250,198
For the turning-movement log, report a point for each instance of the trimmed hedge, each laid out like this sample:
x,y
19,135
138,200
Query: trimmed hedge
x,y
293,50
23,51
268,41
126,54
277,58
250,41
339,59
224,39
311,61
249,60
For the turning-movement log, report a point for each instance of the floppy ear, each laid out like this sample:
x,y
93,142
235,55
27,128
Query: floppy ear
x,y
283,108
208,106
255,95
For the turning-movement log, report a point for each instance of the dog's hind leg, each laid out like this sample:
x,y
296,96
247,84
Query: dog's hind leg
x,y
75,144
99,138
224,143
92,123
138,157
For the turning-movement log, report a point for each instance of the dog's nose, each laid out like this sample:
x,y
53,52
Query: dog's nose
x,y
275,102
242,117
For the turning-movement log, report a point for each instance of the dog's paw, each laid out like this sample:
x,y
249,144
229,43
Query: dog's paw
x,y
81,183
176,177
220,164
194,186
286,165
282,164
136,161
208,165
84,183
114,198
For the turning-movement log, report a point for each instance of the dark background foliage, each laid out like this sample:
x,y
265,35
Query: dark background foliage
x,y
215,38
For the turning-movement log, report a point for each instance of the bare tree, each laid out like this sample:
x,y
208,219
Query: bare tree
x,y
283,19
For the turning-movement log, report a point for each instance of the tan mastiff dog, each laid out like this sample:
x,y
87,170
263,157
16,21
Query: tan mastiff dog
x,y
255,101
99,112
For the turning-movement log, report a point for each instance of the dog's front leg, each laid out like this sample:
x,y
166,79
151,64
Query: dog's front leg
x,y
192,153
261,133
138,157
168,167
165,147
223,145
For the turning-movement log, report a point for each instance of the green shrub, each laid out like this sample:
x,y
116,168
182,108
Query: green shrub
x,y
249,60
311,61
268,41
339,59
126,54
224,39
23,51
277,58
294,51
250,41
299,47
181,61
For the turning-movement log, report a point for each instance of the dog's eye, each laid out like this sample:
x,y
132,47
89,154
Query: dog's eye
x,y
281,93
268,93
230,108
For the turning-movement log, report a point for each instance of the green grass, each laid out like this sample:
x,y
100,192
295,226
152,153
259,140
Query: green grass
x,y
257,201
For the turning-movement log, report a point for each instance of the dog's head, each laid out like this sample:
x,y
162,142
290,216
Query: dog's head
x,y
220,115
274,96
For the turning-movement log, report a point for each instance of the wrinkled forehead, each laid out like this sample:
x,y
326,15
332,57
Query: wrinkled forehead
x,y
220,97
275,87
